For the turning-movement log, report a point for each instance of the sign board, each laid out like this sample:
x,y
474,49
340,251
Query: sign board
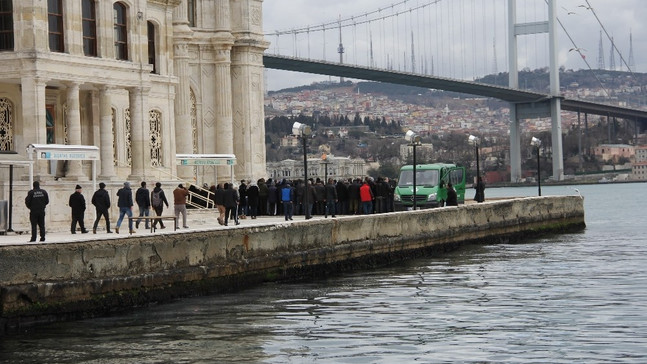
x,y
64,152
205,160
67,155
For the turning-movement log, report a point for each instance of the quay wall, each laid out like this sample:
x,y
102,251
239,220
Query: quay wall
x,y
48,282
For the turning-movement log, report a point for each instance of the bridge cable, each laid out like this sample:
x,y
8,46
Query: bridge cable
x,y
609,37
578,50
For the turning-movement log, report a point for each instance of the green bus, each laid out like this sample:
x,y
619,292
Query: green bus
x,y
431,185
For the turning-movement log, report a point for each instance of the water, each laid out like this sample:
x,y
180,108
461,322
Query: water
x,y
568,298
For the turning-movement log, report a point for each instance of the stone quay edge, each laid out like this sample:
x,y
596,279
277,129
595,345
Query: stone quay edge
x,y
50,282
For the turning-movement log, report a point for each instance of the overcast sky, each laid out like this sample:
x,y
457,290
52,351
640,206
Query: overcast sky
x,y
462,49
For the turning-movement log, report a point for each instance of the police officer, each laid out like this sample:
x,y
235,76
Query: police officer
x,y
36,201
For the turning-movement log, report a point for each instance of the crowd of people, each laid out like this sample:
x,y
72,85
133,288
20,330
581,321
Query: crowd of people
x,y
288,198
314,197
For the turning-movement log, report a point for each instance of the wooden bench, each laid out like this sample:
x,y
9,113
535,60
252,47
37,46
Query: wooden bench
x,y
151,220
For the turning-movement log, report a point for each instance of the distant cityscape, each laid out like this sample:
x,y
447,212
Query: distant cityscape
x,y
438,113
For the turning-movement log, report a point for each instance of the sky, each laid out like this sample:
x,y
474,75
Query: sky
x,y
462,39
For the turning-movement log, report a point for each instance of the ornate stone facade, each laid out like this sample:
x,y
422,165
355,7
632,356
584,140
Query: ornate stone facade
x,y
143,80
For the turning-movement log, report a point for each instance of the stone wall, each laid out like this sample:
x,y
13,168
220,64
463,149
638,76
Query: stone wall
x,y
54,281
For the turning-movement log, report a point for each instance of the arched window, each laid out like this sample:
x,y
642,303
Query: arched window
x,y
55,21
151,46
191,12
6,125
89,28
6,25
155,118
121,31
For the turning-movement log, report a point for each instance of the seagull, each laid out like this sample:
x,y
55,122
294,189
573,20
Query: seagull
x,y
585,7
577,49
569,12
576,190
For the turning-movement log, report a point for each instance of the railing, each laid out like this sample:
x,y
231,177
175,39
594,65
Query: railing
x,y
200,198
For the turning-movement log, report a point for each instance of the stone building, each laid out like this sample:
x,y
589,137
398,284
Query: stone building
x,y
336,168
143,80
639,167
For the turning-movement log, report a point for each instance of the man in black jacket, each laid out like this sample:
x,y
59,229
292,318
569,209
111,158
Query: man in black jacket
x,y
101,201
36,201
143,199
77,203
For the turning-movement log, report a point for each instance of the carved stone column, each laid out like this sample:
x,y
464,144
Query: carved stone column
x,y
222,42
34,118
248,89
223,107
139,133
106,134
74,170
183,131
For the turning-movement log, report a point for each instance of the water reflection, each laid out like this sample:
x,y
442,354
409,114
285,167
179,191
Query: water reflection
x,y
566,298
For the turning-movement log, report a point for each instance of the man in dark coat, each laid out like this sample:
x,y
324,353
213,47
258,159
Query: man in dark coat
x,y
330,198
158,200
77,203
143,199
101,201
353,197
231,203
125,204
242,192
479,196
263,192
220,203
252,200
452,197
36,201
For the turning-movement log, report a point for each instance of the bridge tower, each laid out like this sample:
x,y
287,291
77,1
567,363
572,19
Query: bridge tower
x,y
540,109
631,62
601,65
612,56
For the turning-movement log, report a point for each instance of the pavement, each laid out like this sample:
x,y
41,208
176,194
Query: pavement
x,y
196,220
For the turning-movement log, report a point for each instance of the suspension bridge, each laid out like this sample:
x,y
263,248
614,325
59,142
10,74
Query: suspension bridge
x,y
412,43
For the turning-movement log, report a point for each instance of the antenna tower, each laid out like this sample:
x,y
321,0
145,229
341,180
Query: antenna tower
x,y
601,65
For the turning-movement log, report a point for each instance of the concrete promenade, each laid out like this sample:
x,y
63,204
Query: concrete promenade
x,y
82,275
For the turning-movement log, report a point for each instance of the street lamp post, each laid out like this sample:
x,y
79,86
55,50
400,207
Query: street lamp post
x,y
414,141
303,131
474,140
537,143
325,162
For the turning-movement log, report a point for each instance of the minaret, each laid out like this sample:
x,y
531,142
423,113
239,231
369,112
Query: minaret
x,y
340,50
631,52
601,54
